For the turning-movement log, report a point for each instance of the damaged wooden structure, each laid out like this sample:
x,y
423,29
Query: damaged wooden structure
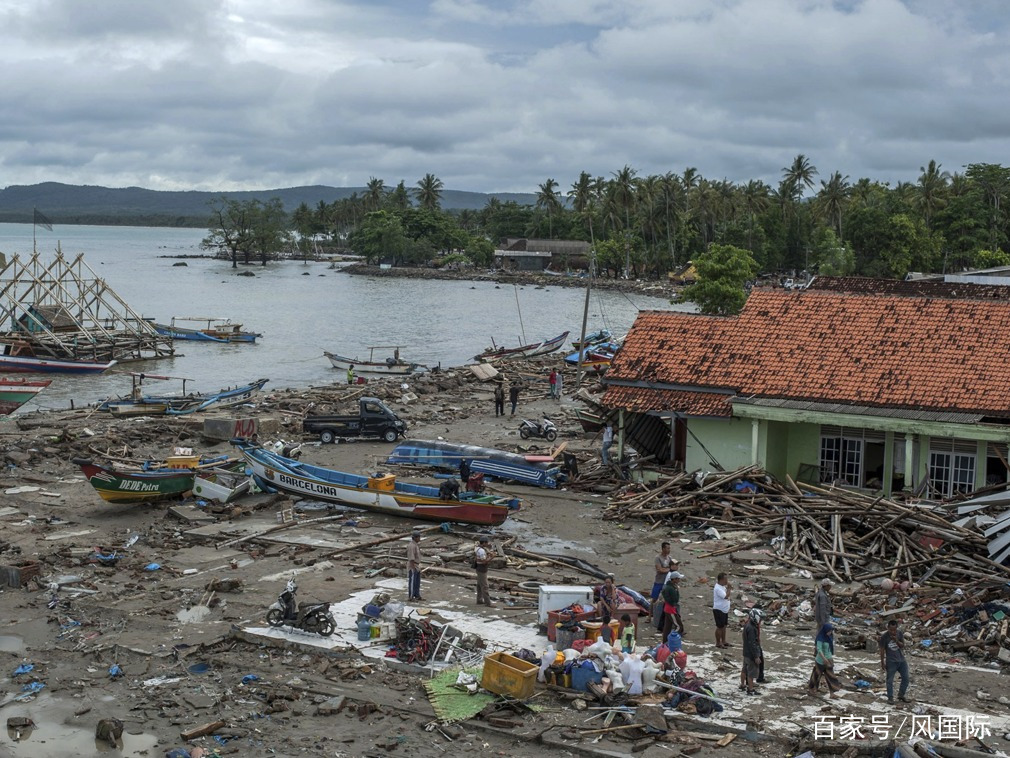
x,y
61,310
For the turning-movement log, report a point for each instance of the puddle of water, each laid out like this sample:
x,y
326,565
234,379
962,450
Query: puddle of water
x,y
11,643
58,733
536,542
193,615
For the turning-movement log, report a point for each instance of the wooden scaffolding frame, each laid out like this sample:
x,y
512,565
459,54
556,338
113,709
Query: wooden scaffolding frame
x,y
95,323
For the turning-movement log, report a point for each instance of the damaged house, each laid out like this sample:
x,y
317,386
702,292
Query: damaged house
x,y
873,384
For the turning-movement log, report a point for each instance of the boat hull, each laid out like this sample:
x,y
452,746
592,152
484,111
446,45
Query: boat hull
x,y
371,367
404,501
524,351
29,365
16,392
137,487
180,333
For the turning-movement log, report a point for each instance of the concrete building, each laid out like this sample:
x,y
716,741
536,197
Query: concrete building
x,y
873,384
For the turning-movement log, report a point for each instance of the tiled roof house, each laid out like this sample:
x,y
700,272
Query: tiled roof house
x,y
868,383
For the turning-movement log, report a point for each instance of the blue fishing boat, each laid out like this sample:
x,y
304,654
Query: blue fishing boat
x,y
140,404
216,330
599,351
484,460
593,338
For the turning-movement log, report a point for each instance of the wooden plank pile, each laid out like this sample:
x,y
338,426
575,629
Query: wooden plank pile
x,y
847,535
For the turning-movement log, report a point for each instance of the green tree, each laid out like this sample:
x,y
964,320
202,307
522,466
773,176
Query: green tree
x,y
991,259
723,270
248,229
480,251
399,198
547,200
830,256
429,192
380,235
375,193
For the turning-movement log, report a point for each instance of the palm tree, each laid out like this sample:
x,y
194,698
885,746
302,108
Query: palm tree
x,y
671,191
547,199
429,192
623,190
755,198
375,192
581,193
931,187
833,198
801,174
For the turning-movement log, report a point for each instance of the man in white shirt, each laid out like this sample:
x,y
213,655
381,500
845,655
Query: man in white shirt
x,y
720,609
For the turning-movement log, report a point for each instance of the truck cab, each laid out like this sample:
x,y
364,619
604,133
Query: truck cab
x,y
374,419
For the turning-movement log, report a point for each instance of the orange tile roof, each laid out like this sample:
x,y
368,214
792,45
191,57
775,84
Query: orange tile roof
x,y
879,350
641,399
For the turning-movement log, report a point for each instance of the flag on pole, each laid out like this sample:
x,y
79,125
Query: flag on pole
x,y
41,220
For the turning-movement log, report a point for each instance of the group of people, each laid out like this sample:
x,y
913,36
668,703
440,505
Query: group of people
x,y
667,617
480,561
499,396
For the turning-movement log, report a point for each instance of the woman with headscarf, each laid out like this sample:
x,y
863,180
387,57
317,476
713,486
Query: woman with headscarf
x,y
824,662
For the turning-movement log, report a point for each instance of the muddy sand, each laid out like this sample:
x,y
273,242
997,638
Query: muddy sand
x,y
191,657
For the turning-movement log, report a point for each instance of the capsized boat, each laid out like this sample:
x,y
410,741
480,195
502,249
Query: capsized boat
x,y
152,482
500,464
523,351
16,392
380,493
391,366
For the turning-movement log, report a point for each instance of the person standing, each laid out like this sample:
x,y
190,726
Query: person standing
x,y
514,396
350,374
626,634
414,567
561,382
481,558
824,662
664,562
752,655
720,609
608,440
671,604
553,381
822,604
892,660
499,398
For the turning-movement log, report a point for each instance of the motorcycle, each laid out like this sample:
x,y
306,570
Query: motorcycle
x,y
309,617
545,429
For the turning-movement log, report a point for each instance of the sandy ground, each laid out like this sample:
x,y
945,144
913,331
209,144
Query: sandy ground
x,y
157,626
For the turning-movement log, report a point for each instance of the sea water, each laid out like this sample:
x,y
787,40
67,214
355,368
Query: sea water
x,y
302,310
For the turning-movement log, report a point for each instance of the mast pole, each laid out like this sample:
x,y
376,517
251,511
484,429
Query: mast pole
x,y
585,309
521,327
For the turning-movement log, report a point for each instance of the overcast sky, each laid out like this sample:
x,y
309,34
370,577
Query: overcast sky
x,y
494,95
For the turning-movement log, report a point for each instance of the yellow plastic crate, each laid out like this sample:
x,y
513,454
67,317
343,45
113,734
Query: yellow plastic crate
x,y
505,674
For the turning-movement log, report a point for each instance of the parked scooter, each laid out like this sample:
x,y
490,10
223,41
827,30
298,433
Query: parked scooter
x,y
545,429
309,617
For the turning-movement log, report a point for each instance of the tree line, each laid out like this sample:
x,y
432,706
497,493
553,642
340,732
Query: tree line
x,y
647,225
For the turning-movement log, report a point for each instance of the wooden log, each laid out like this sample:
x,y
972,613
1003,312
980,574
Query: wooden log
x,y
201,731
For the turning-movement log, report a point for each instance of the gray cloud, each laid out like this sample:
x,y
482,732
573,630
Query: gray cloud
x,y
494,95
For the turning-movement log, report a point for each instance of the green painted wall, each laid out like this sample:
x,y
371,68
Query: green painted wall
x,y
729,441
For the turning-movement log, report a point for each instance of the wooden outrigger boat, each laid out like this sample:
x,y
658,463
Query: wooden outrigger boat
x,y
216,330
16,392
20,358
139,404
380,493
143,485
392,366
523,351
593,338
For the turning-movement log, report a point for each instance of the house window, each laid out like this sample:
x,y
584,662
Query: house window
x,y
951,467
842,460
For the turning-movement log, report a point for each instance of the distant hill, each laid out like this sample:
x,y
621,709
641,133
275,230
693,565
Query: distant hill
x,y
84,204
